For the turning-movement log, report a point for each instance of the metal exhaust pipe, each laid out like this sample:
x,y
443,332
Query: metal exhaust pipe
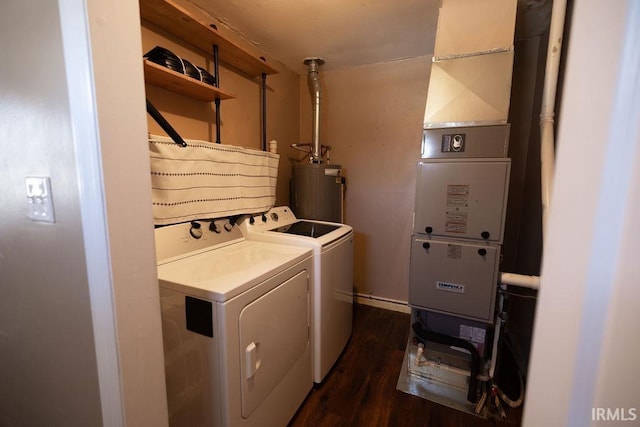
x,y
313,64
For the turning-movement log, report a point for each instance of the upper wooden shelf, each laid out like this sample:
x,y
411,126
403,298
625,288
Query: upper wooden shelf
x,y
158,75
180,22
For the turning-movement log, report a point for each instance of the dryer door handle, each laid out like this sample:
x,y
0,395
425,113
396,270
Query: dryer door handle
x,y
252,362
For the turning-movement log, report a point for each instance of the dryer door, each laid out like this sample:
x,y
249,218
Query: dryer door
x,y
274,335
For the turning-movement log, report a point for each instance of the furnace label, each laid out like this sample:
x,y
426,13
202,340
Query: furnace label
x,y
473,334
454,251
457,208
450,287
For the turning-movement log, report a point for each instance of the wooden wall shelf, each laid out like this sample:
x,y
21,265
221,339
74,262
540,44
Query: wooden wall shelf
x,y
201,33
166,78
173,18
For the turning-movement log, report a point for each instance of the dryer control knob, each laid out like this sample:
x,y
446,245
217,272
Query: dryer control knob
x,y
214,227
228,226
274,216
195,230
264,218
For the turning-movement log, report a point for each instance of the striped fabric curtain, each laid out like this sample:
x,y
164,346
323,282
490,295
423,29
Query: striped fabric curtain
x,y
206,180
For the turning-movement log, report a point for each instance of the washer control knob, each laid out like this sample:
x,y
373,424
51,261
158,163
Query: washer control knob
x,y
195,230
252,220
214,227
264,218
274,216
228,226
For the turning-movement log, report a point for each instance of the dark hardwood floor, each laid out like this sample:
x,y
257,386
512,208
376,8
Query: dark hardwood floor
x,y
361,390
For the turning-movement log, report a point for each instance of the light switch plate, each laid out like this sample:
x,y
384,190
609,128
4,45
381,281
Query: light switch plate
x,y
40,199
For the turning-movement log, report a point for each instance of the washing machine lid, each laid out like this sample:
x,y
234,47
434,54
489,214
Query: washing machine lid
x,y
308,228
322,240
279,225
224,272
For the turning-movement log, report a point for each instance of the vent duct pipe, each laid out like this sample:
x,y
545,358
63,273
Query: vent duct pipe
x,y
315,91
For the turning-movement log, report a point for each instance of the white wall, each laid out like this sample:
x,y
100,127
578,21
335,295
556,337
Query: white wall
x,y
48,371
65,359
586,346
116,52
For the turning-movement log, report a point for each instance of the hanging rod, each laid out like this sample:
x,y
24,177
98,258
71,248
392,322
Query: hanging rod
x,y
216,71
264,111
164,124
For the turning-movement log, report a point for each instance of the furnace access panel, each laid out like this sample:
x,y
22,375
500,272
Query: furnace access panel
x,y
454,277
462,198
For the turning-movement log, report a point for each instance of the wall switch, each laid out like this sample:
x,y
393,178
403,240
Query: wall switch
x,y
39,199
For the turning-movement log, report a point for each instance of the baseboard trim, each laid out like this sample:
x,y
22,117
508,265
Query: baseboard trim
x,y
380,302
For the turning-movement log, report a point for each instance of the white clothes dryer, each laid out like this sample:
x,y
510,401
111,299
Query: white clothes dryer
x,y
332,280
236,325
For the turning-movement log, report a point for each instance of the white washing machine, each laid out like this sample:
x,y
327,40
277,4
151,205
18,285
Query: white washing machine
x,y
332,296
236,325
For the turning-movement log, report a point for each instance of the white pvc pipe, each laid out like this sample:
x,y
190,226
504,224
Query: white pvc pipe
x,y
547,143
524,281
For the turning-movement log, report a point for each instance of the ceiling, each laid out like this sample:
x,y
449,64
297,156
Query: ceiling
x,y
348,33
345,33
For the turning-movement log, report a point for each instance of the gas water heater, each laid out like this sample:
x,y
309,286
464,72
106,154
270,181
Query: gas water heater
x,y
317,188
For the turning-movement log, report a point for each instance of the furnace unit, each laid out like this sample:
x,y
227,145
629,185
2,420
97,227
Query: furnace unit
x,y
462,183
460,203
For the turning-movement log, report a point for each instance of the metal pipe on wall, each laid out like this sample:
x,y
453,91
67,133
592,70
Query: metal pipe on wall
x,y
315,91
